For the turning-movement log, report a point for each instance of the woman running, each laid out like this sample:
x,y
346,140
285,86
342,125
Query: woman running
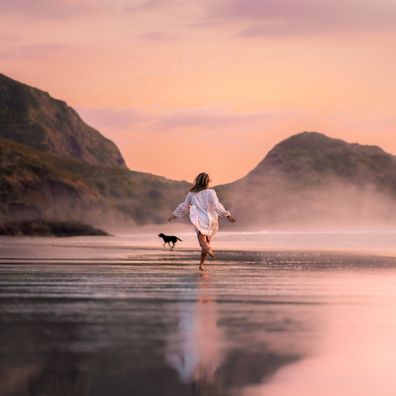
x,y
204,208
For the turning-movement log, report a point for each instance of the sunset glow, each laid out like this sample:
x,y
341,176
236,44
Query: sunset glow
x,y
210,85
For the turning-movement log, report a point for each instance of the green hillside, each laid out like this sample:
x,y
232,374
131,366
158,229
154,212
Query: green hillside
x,y
32,117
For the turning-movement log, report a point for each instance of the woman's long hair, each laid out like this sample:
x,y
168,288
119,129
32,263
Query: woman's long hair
x,y
201,182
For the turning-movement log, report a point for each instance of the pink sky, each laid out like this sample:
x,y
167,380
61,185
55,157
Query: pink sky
x,y
210,85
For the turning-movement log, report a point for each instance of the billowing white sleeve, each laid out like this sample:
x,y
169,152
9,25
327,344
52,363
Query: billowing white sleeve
x,y
183,208
218,207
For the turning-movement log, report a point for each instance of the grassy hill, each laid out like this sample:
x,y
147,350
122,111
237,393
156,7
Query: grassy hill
x,y
32,117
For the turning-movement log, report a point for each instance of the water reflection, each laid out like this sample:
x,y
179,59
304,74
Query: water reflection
x,y
196,350
62,334
215,354
357,348
256,323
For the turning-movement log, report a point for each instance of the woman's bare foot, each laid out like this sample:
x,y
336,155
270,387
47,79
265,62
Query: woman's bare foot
x,y
201,268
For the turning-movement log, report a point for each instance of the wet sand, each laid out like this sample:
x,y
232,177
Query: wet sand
x,y
100,316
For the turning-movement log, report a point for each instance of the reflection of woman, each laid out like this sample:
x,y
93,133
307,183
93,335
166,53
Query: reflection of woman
x,y
204,207
196,352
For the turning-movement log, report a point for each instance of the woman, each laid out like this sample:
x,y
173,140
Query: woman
x,y
204,207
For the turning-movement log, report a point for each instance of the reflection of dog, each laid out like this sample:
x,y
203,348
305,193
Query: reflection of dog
x,y
168,239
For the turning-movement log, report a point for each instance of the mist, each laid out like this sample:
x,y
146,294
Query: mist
x,y
278,202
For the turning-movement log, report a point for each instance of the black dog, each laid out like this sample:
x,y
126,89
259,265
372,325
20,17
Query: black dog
x,y
168,239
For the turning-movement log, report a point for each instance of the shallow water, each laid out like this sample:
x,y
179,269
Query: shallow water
x,y
100,316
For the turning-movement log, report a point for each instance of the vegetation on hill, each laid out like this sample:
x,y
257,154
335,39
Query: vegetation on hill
x,y
32,117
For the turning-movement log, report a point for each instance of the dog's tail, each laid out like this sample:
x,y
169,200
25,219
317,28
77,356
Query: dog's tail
x,y
179,239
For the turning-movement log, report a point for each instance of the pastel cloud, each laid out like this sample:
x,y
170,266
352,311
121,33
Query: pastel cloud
x,y
162,120
279,17
269,17
6,37
156,36
212,117
150,5
52,9
37,51
113,119
290,17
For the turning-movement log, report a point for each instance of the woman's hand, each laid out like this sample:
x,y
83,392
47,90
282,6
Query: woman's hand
x,y
172,217
231,219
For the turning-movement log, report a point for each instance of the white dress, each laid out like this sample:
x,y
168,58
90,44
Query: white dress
x,y
204,208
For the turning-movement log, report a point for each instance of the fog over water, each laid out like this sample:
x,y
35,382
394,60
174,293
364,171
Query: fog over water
x,y
277,313
272,200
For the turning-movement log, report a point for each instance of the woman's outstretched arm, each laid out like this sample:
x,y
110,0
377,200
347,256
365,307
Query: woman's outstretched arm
x,y
219,208
182,209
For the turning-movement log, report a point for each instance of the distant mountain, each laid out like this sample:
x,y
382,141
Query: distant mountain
x,y
32,117
311,157
311,179
54,167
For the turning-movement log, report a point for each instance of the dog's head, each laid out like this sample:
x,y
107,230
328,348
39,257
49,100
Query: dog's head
x,y
161,235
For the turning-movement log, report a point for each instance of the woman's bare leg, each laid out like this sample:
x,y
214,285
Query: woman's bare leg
x,y
204,252
208,238
203,258
204,242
